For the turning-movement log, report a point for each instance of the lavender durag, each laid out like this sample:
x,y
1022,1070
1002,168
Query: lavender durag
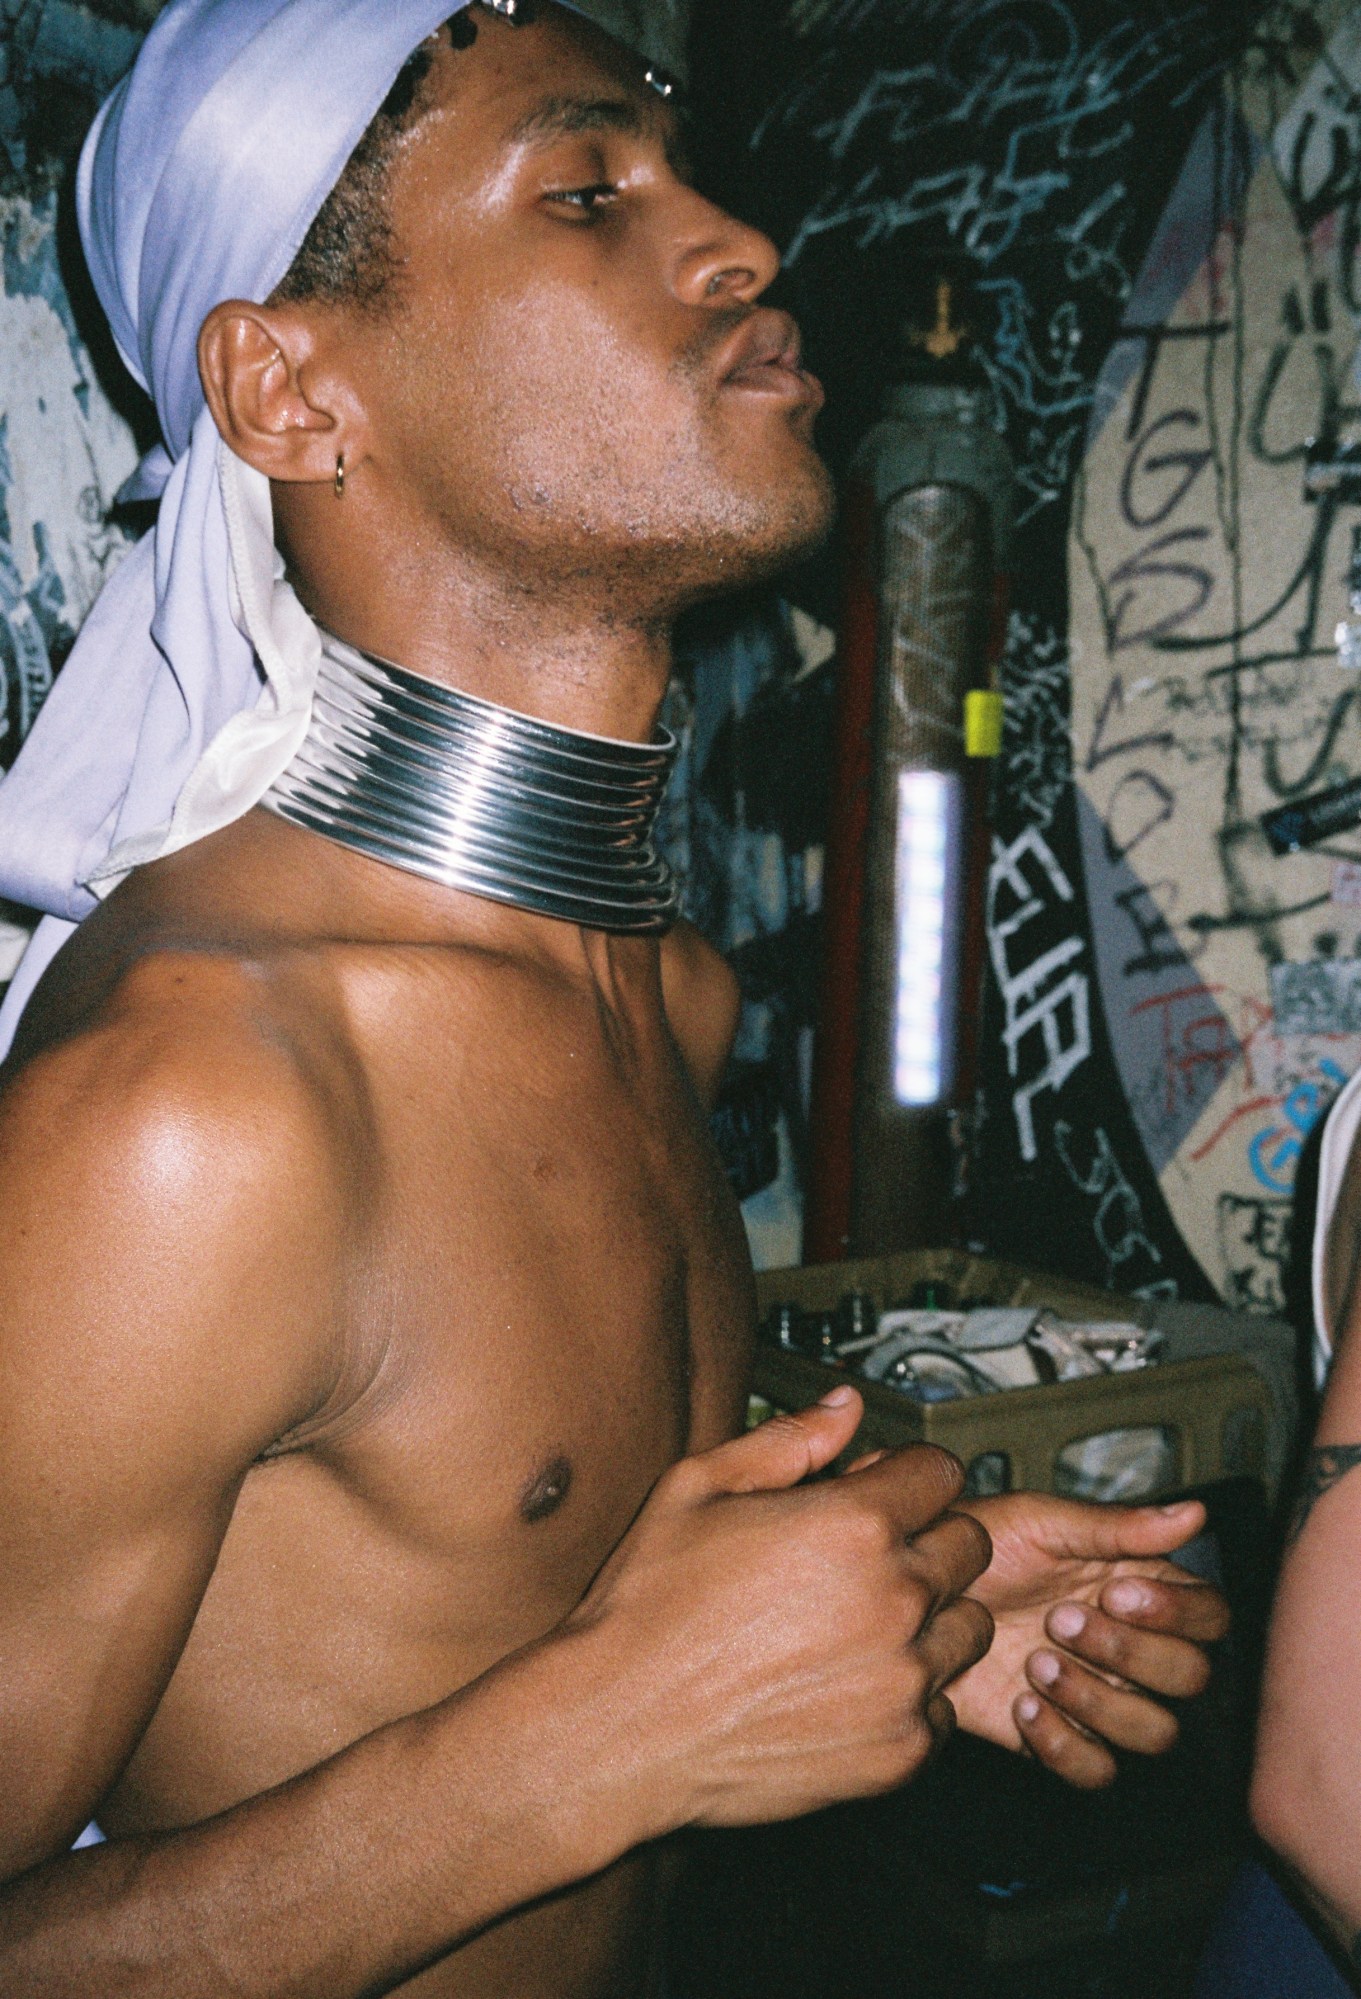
x,y
190,687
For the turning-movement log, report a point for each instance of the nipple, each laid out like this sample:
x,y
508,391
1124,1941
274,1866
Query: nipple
x,y
546,1491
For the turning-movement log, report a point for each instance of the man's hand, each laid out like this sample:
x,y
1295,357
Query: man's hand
x,y
1089,1623
776,1650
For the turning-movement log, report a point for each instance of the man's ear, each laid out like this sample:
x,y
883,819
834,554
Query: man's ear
x,y
274,402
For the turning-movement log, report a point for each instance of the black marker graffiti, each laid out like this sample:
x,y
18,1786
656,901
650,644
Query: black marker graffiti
x,y
1034,143
1117,1217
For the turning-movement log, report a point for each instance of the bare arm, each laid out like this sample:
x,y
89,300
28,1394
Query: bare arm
x,y
682,1692
1306,1791
174,1230
175,1263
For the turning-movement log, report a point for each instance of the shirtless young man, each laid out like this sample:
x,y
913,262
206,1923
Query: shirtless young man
x,y
381,1561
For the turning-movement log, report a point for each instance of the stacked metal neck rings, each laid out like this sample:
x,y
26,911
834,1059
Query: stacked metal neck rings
x,y
481,798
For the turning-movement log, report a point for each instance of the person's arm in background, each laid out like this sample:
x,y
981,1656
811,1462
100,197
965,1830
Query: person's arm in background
x,y
1306,1790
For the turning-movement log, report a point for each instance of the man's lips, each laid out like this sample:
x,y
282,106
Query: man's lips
x,y
764,357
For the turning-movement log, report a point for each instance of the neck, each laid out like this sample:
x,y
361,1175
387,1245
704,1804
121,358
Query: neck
x,y
557,647
480,798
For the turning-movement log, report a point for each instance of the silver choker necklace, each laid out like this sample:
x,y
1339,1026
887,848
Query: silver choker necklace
x,y
481,798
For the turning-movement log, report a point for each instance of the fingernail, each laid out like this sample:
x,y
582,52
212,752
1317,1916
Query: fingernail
x,y
1045,1668
1067,1621
1176,1506
835,1398
1128,1596
1027,1707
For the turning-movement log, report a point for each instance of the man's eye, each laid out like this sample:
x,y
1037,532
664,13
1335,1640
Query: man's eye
x,y
586,200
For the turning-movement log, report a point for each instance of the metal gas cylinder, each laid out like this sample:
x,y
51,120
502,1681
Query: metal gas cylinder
x,y
928,522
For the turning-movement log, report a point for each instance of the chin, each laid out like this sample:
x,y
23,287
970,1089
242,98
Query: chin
x,y
781,526
724,569
719,529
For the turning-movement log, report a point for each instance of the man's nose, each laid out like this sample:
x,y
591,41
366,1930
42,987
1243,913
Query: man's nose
x,y
724,259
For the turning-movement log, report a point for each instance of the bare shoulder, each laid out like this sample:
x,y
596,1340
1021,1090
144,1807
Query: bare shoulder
x,y
199,1043
703,1001
176,1165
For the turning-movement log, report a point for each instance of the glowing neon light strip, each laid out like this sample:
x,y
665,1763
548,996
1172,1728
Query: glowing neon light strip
x,y
927,870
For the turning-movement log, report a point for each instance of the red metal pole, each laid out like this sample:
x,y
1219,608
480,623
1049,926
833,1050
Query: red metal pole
x,y
827,1211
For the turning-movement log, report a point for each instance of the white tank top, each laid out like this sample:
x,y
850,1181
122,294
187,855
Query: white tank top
x,y
1339,1136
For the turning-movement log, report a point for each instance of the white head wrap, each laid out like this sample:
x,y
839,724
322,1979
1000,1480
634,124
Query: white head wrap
x,y
190,687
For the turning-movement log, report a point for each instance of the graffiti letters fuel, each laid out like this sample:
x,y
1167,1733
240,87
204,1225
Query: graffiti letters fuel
x,y
1045,993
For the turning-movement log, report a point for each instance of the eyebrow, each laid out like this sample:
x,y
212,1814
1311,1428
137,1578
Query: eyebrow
x,y
564,117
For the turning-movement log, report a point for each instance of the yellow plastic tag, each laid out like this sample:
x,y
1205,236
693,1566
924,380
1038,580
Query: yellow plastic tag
x,y
982,723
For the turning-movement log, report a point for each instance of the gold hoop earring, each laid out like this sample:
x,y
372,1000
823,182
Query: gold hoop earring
x,y
340,475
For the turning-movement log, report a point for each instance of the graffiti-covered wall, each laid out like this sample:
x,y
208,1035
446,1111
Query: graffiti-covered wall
x,y
1206,686
1159,207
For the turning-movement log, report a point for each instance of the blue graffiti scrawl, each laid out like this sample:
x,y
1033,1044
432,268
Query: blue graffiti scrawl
x,y
33,631
64,451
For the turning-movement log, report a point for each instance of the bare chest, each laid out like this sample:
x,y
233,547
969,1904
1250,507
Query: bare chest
x,y
566,1291
553,1300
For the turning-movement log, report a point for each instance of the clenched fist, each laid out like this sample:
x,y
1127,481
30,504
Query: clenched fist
x,y
777,1647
